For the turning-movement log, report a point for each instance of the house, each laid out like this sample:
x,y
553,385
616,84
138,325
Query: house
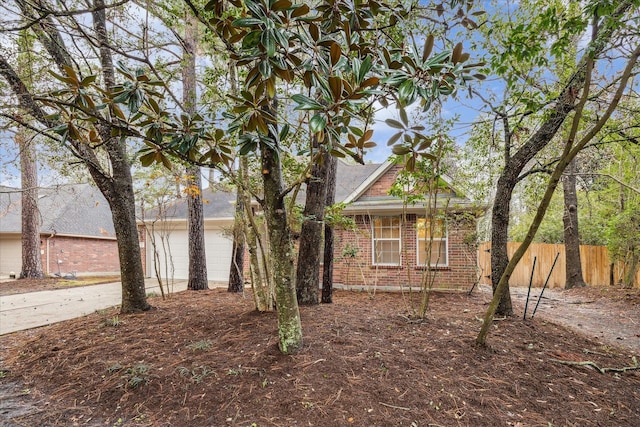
x,y
165,234
387,249
76,231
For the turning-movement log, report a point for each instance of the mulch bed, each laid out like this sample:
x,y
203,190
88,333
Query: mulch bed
x,y
21,286
208,359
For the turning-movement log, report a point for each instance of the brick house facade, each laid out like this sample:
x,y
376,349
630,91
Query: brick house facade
x,y
372,208
80,255
76,233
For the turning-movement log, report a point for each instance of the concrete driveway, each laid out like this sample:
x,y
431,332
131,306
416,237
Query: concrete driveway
x,y
30,310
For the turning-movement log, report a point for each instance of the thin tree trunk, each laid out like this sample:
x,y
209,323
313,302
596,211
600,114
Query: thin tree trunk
x,y
574,276
236,270
198,279
308,268
31,257
327,269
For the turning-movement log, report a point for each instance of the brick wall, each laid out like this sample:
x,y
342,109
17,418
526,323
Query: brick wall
x,y
84,256
384,183
359,271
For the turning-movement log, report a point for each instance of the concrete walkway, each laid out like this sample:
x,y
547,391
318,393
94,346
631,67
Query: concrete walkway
x,y
30,310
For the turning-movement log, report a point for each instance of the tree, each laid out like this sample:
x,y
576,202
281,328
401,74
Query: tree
x,y
236,269
327,267
198,279
308,268
515,62
111,169
31,219
571,237
573,145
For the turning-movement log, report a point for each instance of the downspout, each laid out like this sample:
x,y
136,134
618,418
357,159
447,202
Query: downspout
x,y
52,235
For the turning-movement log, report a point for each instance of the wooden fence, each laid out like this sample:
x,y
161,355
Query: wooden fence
x,y
596,266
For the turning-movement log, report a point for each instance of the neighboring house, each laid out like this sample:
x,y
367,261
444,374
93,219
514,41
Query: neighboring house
x,y
76,231
384,251
166,232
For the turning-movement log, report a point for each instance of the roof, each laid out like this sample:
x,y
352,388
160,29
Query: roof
x,y
352,183
350,177
216,205
72,209
359,202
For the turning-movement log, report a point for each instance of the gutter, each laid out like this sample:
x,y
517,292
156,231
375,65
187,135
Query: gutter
x,y
51,236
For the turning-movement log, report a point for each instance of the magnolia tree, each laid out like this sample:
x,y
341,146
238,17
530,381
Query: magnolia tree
x,y
342,59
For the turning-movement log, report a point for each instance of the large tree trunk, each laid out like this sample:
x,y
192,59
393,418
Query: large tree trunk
x,y
327,269
31,257
122,203
308,268
198,279
281,248
571,232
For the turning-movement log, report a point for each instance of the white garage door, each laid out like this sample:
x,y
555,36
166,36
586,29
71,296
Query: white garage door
x,y
217,247
10,256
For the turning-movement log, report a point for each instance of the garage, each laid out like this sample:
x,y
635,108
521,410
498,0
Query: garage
x,y
175,252
10,255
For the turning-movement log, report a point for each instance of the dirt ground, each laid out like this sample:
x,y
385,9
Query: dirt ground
x,y
208,359
20,286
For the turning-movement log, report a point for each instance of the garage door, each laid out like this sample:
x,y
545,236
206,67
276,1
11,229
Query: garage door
x,y
10,256
176,252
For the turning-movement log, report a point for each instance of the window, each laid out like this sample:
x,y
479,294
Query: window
x,y
434,234
386,241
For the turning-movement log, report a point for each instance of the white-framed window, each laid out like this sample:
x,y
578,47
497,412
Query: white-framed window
x,y
386,240
431,235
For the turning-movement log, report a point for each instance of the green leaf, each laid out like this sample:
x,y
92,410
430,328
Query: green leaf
x,y
269,42
400,150
394,124
251,40
317,123
246,22
403,117
394,138
406,92
148,159
305,103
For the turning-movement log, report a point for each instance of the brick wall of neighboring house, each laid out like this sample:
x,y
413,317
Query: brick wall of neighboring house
x,y
353,259
84,256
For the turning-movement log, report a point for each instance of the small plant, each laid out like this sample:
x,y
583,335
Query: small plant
x,y
234,371
153,294
197,374
200,345
136,376
113,321
114,368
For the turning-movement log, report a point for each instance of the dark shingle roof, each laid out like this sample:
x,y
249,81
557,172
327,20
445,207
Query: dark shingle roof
x,y
350,176
216,204
74,209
